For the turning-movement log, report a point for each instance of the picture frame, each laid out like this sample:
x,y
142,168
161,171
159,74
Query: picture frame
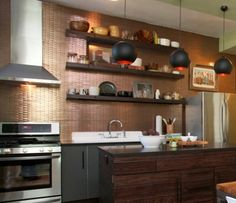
x,y
203,77
143,90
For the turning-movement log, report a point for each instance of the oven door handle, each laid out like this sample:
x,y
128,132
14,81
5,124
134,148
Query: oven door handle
x,y
50,200
28,158
43,200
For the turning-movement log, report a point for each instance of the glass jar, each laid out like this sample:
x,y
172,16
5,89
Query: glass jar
x,y
72,57
83,59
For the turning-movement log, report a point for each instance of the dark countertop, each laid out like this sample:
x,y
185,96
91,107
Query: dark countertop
x,y
139,150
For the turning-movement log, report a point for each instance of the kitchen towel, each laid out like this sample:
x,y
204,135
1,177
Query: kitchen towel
x,y
159,124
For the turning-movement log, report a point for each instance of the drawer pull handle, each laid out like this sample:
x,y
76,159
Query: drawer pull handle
x,y
83,164
106,159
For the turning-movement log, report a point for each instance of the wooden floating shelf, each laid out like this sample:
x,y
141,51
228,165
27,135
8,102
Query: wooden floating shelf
x,y
124,99
100,39
118,69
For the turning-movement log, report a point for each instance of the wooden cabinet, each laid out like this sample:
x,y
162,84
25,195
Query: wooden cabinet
x,y
181,178
146,187
197,185
225,174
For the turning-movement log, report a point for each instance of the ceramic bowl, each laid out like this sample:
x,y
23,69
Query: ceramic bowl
x,y
184,138
174,44
100,30
192,138
164,42
151,141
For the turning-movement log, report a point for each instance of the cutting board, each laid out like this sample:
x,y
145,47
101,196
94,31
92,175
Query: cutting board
x,y
192,144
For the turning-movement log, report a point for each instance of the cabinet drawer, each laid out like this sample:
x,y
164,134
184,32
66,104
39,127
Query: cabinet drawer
x,y
134,167
178,162
219,159
225,174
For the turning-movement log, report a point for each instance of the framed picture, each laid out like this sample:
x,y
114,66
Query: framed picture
x,y
203,77
143,90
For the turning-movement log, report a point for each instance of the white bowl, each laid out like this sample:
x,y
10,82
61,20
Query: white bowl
x,y
164,42
174,44
152,141
192,138
184,138
137,62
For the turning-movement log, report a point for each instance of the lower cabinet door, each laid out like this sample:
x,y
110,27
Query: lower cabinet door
x,y
198,186
74,173
146,188
225,174
93,172
164,199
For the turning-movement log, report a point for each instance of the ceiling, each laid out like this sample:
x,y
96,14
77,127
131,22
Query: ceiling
x,y
198,16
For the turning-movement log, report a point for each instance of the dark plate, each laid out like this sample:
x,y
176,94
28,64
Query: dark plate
x,y
107,89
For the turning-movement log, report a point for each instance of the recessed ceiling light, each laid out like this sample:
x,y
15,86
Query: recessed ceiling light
x,y
114,0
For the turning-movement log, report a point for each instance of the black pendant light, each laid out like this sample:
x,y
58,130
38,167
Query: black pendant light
x,y
179,58
223,66
124,52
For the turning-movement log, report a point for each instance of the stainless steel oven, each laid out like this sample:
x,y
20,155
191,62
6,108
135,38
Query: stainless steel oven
x,y
30,162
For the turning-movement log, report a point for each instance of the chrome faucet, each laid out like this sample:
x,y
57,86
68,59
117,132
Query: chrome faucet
x,y
109,127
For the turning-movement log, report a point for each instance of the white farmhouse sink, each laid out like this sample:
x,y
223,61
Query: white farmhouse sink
x,y
103,137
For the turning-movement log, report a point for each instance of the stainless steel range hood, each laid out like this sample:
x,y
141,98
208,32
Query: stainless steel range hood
x,y
26,46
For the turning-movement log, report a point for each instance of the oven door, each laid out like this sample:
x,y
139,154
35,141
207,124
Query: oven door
x,y
30,176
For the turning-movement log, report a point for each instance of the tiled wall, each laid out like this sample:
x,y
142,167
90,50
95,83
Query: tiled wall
x,y
43,104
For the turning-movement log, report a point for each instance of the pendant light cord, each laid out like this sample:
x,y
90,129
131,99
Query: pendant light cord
x,y
223,30
180,19
124,8
224,8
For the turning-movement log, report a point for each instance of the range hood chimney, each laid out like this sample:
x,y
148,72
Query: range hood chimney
x,y
26,46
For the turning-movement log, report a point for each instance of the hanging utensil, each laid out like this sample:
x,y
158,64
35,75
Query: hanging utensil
x,y
164,120
173,121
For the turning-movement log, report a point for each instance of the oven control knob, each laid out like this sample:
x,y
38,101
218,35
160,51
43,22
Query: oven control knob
x,y
50,149
41,150
24,150
7,151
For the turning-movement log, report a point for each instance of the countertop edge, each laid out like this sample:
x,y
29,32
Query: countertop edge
x,y
140,151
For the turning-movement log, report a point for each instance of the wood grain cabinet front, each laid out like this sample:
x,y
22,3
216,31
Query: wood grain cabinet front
x,y
176,178
197,185
147,187
225,174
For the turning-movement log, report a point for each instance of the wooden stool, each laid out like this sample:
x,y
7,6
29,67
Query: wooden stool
x,y
227,189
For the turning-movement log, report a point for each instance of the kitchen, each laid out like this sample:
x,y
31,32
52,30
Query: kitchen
x,y
24,103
